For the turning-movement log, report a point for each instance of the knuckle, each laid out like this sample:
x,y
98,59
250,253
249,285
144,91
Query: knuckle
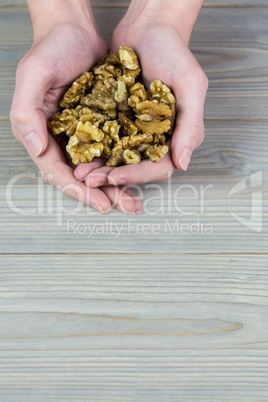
x,y
22,63
29,65
195,78
23,67
27,60
17,116
199,74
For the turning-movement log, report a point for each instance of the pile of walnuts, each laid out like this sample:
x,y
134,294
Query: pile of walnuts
x,y
108,113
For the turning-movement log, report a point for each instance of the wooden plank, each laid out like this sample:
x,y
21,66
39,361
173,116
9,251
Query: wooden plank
x,y
146,277
167,225
173,327
237,69
12,3
91,234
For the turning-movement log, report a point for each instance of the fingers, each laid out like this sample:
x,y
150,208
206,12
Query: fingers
x,y
124,200
189,130
95,174
144,172
26,114
135,198
56,172
98,177
82,170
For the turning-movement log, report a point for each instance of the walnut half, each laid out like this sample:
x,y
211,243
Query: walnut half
x,y
152,117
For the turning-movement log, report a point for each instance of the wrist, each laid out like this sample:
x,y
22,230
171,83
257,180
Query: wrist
x,y
45,15
181,14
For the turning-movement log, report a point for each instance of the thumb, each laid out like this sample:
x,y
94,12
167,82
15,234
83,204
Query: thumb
x,y
187,136
28,121
189,131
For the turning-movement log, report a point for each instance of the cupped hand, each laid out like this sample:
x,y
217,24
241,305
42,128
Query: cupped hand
x,y
163,55
44,73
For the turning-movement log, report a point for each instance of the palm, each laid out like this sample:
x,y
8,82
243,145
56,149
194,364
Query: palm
x,y
43,75
156,47
60,51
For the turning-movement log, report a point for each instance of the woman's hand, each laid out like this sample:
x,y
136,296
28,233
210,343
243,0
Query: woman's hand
x,y
60,53
161,45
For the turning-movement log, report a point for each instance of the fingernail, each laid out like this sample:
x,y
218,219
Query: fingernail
x,y
102,210
90,183
33,143
121,182
115,182
126,212
185,158
80,179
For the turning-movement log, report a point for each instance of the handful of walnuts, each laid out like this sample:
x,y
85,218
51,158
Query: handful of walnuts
x,y
108,113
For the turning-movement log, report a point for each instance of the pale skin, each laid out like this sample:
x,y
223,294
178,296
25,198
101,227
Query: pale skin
x,y
67,43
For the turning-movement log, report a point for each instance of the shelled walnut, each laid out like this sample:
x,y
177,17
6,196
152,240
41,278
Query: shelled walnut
x,y
77,90
107,112
156,152
131,156
152,117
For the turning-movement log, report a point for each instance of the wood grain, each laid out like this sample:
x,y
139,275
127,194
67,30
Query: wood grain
x,y
159,328
153,307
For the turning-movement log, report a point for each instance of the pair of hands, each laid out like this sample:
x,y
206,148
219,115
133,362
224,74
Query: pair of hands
x,y
67,51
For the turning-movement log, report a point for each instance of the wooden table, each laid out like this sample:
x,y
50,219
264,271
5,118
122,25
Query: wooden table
x,y
175,306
